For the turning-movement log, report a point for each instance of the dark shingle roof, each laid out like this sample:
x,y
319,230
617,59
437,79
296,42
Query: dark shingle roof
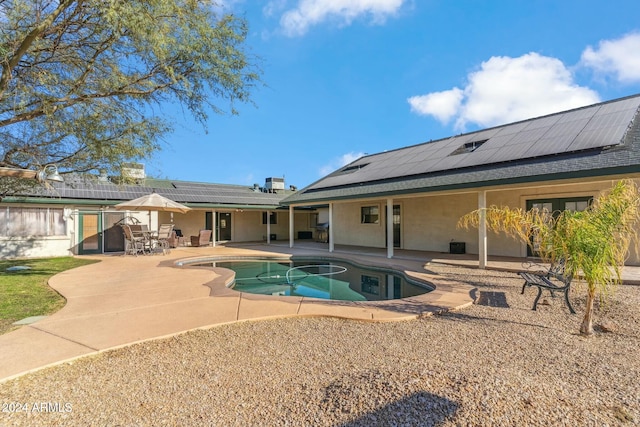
x,y
599,139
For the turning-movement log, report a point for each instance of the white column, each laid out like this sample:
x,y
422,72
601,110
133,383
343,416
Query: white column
x,y
268,227
389,228
331,246
482,230
291,224
213,228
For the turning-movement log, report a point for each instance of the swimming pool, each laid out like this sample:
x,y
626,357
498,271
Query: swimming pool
x,y
334,280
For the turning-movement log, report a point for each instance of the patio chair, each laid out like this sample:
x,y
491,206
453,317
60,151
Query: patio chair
x,y
164,234
176,239
133,245
202,239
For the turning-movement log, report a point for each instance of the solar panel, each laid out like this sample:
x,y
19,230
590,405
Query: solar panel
x,y
595,126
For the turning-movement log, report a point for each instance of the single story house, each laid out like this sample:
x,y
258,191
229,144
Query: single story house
x,y
78,216
413,197
409,198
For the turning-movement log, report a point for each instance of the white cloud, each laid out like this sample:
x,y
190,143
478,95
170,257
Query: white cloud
x,y
620,57
339,162
507,89
296,21
442,105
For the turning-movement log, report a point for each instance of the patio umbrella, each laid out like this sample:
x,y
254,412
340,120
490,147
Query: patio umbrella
x,y
153,202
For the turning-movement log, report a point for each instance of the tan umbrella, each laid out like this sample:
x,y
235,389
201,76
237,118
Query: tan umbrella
x,y
152,202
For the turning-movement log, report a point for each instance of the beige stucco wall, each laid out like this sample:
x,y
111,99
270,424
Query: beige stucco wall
x,y
428,222
348,230
246,225
34,247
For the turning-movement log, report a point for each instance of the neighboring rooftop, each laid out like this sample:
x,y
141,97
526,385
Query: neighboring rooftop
x,y
586,140
193,194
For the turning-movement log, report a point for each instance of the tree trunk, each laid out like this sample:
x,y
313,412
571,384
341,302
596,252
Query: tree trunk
x,y
586,328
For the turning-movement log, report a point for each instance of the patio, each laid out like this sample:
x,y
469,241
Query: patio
x,y
125,299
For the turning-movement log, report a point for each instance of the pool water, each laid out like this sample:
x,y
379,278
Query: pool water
x,y
320,279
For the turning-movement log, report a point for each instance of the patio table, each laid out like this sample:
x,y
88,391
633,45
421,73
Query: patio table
x,y
150,239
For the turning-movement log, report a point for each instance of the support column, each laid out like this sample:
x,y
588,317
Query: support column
x,y
389,228
331,246
482,230
268,227
214,224
291,226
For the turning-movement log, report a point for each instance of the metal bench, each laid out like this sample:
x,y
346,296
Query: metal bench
x,y
554,280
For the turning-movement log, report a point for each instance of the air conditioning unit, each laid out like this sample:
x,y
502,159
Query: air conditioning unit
x,y
274,184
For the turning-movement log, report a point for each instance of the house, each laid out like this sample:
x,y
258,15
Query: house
x,y
412,197
409,198
78,216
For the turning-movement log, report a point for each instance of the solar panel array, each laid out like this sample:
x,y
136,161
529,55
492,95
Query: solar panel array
x,y
592,127
184,193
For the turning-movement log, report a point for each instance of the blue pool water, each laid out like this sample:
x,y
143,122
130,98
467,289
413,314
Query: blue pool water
x,y
319,279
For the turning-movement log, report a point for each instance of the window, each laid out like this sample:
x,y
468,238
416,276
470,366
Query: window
x,y
24,222
369,215
553,207
273,218
468,147
560,204
351,169
576,206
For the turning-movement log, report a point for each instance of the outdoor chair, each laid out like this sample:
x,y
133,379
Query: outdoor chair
x,y
202,239
554,280
164,234
133,244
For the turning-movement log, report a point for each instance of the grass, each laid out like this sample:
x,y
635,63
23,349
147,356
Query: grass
x,y
25,293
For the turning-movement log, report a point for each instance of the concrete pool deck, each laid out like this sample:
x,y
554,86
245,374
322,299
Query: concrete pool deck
x,y
123,300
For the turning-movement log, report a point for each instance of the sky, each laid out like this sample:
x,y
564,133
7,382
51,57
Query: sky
x,y
344,78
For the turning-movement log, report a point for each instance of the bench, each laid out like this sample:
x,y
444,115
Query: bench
x,y
554,280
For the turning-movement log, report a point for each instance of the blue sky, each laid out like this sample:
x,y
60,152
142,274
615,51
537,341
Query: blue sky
x,y
343,78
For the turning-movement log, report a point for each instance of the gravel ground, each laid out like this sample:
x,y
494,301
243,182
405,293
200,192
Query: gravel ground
x,y
495,363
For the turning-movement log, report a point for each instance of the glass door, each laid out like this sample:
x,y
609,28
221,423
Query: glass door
x,y
113,234
224,226
90,233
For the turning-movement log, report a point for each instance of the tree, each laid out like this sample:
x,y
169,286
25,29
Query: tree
x,y
81,81
594,243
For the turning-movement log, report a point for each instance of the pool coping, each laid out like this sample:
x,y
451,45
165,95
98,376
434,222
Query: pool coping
x,y
445,295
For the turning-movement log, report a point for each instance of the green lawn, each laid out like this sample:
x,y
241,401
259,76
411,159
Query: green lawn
x,y
25,293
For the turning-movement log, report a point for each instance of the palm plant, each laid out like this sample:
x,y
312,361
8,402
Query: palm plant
x,y
594,243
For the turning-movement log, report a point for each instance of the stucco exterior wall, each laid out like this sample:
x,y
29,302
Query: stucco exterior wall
x,y
34,247
428,222
348,230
